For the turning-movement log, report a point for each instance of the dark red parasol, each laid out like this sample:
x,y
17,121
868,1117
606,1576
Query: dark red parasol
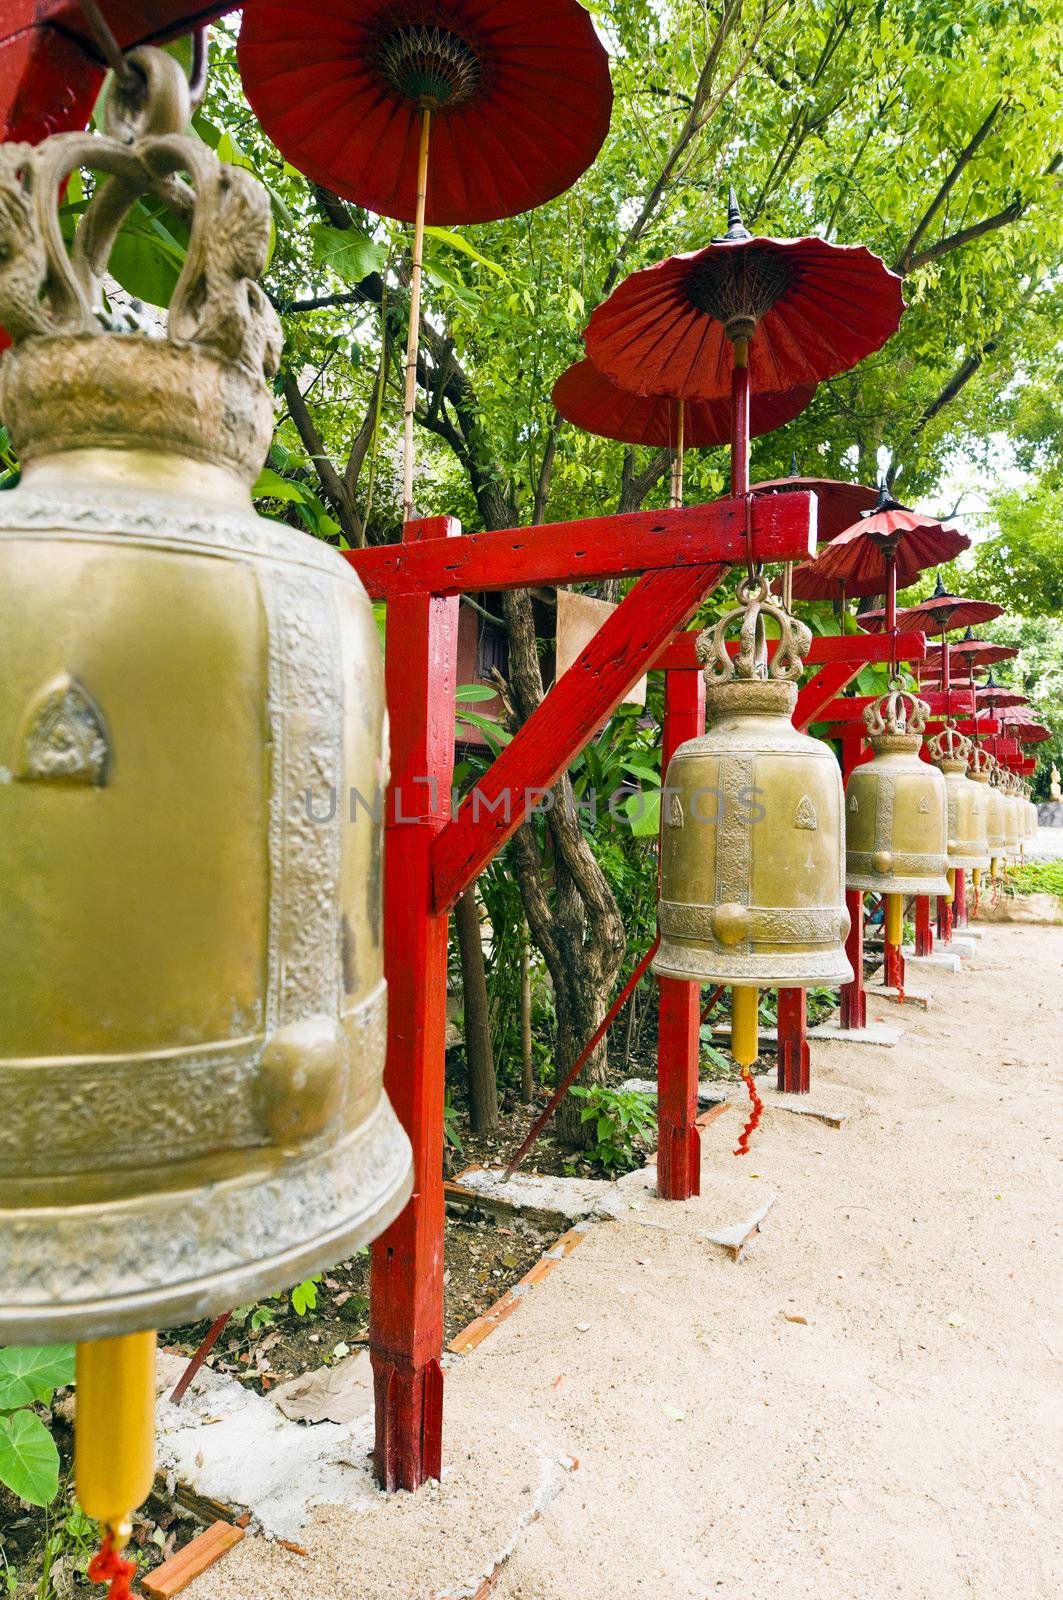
x,y
839,503
518,91
997,697
807,309
585,397
970,653
886,550
1026,732
51,67
430,111
942,613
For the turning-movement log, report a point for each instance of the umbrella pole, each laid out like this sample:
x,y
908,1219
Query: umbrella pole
x,y
740,420
675,498
413,334
891,605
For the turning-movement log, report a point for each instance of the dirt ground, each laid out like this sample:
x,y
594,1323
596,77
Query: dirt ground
x,y
866,1406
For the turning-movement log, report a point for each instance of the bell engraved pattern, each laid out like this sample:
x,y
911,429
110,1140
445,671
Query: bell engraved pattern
x,y
192,1013
752,889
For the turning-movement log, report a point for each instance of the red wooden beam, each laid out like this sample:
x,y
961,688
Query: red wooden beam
x,y
597,681
851,708
406,1287
844,730
859,648
782,528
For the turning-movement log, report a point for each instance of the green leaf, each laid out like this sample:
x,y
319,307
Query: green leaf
x,y
270,484
467,693
29,1373
456,242
351,255
29,1461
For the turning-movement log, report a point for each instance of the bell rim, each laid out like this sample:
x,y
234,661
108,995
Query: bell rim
x,y
208,1293
802,974
870,883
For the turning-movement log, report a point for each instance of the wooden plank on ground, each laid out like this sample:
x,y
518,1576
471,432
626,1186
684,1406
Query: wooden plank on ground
x,y
177,1573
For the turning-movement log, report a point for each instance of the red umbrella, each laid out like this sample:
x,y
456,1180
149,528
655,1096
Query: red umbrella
x,y
809,309
516,94
942,613
885,550
971,652
997,697
51,65
839,503
744,313
584,396
1027,732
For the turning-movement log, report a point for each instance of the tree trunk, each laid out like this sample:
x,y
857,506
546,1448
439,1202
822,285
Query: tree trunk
x,y
527,1080
483,1087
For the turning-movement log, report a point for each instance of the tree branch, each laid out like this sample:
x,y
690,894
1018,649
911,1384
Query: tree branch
x,y
333,487
904,261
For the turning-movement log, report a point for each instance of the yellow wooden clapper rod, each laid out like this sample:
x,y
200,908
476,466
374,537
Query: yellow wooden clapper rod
x,y
951,876
114,1434
745,1036
894,919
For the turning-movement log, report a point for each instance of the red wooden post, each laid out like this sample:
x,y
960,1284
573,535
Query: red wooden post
x,y
959,900
679,1003
853,999
924,938
944,918
406,1293
793,1063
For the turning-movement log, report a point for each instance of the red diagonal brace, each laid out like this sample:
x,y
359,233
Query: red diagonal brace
x,y
563,724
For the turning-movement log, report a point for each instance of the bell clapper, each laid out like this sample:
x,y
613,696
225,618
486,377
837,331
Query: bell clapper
x,y
745,1047
114,1443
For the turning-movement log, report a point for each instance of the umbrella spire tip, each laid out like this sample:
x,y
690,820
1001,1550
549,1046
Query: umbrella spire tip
x,y
736,228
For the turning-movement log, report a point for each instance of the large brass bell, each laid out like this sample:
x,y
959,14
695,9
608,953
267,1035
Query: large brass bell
x,y
979,764
966,846
1012,828
896,806
192,1012
996,827
752,889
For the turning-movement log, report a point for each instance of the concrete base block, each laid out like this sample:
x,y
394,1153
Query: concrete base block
x,y
942,959
960,946
874,1033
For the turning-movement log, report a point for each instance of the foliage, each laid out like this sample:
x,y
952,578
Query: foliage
x,y
450,1123
29,1460
1037,671
1036,877
625,1122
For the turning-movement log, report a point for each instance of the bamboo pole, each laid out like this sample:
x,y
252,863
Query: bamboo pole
x,y
413,333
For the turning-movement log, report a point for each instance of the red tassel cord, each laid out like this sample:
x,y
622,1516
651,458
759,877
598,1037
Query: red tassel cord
x,y
108,1567
742,1148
